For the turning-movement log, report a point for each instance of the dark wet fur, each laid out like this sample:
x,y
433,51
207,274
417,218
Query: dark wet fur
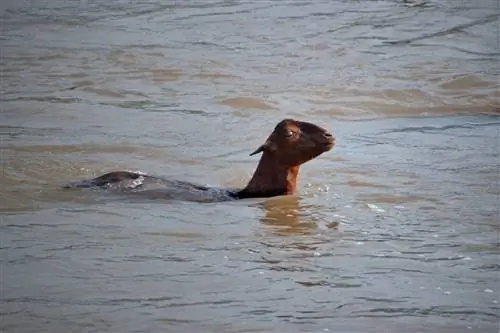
x,y
124,180
158,187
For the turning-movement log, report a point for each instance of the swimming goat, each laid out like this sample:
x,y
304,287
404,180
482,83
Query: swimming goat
x,y
291,144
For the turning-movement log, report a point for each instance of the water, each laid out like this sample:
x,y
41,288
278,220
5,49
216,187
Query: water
x,y
395,230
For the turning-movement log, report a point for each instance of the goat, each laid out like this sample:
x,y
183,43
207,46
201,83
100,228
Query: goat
x,y
291,144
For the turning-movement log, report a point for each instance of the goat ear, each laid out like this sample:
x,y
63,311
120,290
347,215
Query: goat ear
x,y
268,145
258,150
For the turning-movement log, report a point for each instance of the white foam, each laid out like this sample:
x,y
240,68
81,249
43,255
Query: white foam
x,y
138,172
136,182
375,208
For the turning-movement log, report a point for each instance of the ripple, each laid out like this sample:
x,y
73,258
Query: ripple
x,y
461,312
444,32
86,245
329,284
247,103
53,99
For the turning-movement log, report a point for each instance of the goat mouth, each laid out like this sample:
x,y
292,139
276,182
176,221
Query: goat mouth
x,y
329,144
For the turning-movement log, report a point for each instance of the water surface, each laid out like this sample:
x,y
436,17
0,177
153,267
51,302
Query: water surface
x,y
395,230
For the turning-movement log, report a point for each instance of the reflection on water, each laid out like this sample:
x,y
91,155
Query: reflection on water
x,y
395,230
283,216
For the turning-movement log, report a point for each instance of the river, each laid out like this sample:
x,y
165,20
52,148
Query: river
x,y
395,230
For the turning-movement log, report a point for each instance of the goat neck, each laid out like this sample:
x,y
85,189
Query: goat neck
x,y
271,178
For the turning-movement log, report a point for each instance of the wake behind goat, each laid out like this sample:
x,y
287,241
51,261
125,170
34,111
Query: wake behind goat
x,y
291,144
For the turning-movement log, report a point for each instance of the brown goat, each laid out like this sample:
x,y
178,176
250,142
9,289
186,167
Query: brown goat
x,y
291,144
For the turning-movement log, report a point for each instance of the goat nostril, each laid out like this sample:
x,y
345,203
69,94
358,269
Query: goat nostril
x,y
327,135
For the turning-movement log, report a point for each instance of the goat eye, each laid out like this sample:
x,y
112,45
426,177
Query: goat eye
x,y
289,133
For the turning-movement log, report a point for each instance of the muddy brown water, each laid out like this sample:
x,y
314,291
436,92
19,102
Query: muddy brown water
x,y
395,230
